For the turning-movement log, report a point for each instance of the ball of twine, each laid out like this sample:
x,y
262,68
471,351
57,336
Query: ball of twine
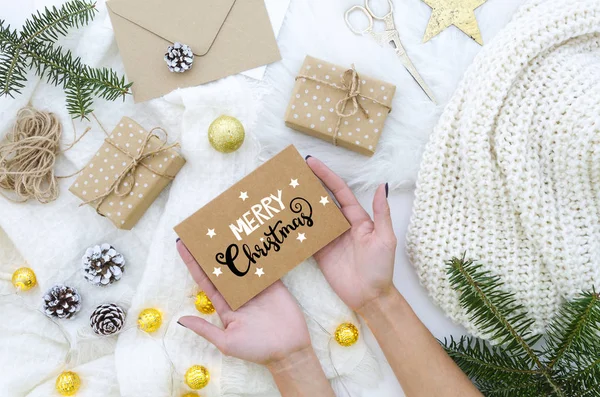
x,y
28,155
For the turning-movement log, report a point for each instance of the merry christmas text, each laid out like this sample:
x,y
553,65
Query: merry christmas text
x,y
274,238
258,215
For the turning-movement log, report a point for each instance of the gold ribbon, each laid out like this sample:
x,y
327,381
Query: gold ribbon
x,y
351,85
127,175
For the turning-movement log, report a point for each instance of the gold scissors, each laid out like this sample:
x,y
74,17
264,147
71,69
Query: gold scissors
x,y
389,36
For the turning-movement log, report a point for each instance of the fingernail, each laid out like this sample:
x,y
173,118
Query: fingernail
x,y
176,241
307,157
181,324
387,190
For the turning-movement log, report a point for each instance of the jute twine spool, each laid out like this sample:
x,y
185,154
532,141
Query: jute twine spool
x,y
28,155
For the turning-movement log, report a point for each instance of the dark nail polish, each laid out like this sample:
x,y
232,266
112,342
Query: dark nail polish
x,y
307,157
181,324
176,241
387,189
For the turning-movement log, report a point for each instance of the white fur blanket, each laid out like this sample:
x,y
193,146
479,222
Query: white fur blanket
x,y
53,237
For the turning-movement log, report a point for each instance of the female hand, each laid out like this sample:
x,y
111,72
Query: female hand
x,y
267,329
359,264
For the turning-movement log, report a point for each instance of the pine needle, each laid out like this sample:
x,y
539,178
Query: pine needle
x,y
33,48
568,365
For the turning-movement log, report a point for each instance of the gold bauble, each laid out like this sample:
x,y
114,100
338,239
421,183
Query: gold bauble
x,y
24,279
226,134
68,383
204,304
149,320
196,377
346,334
190,394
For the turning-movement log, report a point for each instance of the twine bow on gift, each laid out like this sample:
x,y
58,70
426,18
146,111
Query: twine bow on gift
x,y
124,183
351,85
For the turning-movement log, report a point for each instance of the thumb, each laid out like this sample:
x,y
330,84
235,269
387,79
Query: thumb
x,y
381,215
208,331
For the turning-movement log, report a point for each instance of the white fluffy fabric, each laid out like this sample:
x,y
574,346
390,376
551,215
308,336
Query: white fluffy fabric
x,y
511,175
317,28
52,238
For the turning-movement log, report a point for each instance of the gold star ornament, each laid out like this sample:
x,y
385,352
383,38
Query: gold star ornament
x,y
460,13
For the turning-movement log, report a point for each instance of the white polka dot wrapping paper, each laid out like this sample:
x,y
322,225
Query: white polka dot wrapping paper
x,y
120,188
330,103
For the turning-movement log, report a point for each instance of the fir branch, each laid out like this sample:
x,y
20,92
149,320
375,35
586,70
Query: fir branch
x,y
480,360
33,48
8,36
576,324
584,372
569,364
60,67
107,84
593,392
47,26
12,69
79,99
496,313
526,388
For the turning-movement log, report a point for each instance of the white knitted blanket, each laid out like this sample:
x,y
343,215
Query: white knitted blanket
x,y
511,175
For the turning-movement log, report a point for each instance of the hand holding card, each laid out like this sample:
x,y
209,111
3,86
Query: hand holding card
x,y
289,357
262,227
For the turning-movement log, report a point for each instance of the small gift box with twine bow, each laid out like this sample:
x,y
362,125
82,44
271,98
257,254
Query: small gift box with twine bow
x,y
340,106
129,171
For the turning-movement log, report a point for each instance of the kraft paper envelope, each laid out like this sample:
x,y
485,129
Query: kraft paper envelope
x,y
226,36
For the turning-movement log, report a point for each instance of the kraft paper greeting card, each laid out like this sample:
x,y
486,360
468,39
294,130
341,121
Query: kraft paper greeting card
x,y
262,227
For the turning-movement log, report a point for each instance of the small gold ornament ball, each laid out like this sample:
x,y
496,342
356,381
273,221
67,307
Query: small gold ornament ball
x,y
149,320
346,334
204,304
68,383
226,134
24,279
190,394
197,377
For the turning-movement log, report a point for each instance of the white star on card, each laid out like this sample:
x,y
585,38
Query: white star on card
x,y
294,183
217,272
243,195
211,233
301,237
324,200
259,271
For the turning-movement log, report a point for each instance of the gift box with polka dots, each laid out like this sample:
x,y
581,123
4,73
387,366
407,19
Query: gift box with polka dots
x,y
130,193
320,95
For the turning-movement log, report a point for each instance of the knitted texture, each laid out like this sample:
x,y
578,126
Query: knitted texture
x,y
511,174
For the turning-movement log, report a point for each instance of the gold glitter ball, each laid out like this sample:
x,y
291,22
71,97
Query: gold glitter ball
x,y
68,383
149,320
204,304
346,334
24,279
197,377
226,134
190,394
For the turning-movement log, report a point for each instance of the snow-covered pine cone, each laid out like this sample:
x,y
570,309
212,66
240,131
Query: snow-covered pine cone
x,y
107,319
103,265
179,58
62,301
